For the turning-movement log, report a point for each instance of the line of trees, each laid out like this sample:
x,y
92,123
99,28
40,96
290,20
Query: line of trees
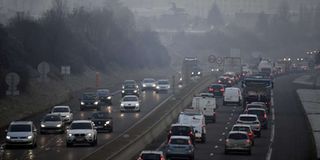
x,y
93,38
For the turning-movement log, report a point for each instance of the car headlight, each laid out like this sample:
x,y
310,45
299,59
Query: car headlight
x,y
199,72
89,134
42,125
122,104
158,87
107,122
137,104
68,116
8,137
70,135
154,85
192,72
96,103
122,91
109,97
29,137
58,125
82,103
135,91
144,85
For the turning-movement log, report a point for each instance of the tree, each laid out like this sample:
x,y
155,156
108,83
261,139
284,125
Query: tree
x,y
215,17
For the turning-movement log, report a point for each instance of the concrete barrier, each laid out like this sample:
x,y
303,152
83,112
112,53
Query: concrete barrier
x,y
151,127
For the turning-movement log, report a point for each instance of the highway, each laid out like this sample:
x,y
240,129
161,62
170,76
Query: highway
x,y
288,135
52,146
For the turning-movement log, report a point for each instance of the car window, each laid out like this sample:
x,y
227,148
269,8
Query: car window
x,y
20,128
163,82
148,81
60,109
179,141
130,99
216,86
128,86
239,128
248,118
184,130
52,118
81,126
100,115
151,156
256,112
238,136
88,96
254,106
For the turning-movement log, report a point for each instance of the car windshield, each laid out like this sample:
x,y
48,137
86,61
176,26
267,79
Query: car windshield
x,y
151,156
102,93
100,115
52,118
179,141
240,128
256,112
238,136
89,96
180,130
84,125
129,86
60,109
248,118
148,81
163,82
20,128
130,99
216,86
254,106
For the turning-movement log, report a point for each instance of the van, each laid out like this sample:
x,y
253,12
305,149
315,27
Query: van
x,y
197,121
232,95
206,105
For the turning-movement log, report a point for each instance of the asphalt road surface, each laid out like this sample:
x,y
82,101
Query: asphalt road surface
x,y
53,146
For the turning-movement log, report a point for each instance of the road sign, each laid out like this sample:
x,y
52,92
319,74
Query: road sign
x,y
212,59
219,60
44,69
12,79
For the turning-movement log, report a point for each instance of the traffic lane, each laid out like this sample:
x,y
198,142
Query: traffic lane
x,y
293,139
53,146
217,132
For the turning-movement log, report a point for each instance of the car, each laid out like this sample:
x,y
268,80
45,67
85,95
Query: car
x,y
130,82
216,89
262,104
148,83
252,120
163,85
232,95
52,123
206,95
225,81
262,116
178,129
64,111
151,155
238,141
180,147
21,133
232,76
197,121
89,100
244,128
130,89
104,96
81,132
130,103
102,121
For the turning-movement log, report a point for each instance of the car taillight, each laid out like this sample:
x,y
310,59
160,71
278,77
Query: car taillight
x,y
248,141
227,140
222,89
229,81
190,133
210,89
265,116
140,158
189,142
219,81
162,158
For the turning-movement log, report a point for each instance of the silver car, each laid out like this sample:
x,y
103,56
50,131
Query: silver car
x,y
64,111
21,133
52,123
237,141
81,132
130,103
180,147
163,85
148,83
252,120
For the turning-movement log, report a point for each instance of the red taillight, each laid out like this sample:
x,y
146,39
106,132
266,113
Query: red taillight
x,y
248,141
189,142
265,116
162,158
210,89
190,133
222,89
140,158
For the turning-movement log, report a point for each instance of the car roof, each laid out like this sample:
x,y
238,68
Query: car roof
x,y
232,88
82,121
52,114
21,122
149,79
61,107
180,137
130,96
180,124
151,151
241,125
237,132
163,80
248,115
260,109
103,90
129,80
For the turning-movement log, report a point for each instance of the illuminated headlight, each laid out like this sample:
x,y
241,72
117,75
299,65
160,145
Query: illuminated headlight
x,y
135,91
219,81
107,122
122,104
42,125
58,125
212,70
180,79
96,103
192,72
154,85
199,72
122,87
144,85
158,87
229,81
82,103
68,116
29,137
122,91
89,134
8,137
70,135
109,97
137,104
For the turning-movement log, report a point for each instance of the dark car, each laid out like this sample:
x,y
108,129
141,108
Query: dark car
x,y
104,96
102,121
182,130
225,81
216,89
130,89
89,100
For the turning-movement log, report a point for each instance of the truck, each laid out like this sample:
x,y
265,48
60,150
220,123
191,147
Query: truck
x,y
190,70
232,64
265,67
257,90
206,105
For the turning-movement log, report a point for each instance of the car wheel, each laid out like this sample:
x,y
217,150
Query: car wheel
x,y
95,142
34,145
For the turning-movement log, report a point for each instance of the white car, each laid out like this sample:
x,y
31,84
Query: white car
x,y
163,85
232,95
195,119
81,132
64,111
130,103
252,120
21,133
148,83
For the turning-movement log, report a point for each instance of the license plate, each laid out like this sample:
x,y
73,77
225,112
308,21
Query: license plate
x,y
198,134
79,139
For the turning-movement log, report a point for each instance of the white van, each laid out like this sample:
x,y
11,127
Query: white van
x,y
197,121
232,95
206,105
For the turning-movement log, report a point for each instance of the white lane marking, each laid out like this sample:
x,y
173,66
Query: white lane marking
x,y
223,133
268,157
162,144
220,140
226,128
273,115
269,154
272,133
230,118
216,147
228,122
211,154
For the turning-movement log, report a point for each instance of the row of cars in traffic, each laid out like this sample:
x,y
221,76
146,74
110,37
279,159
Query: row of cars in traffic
x,y
60,119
